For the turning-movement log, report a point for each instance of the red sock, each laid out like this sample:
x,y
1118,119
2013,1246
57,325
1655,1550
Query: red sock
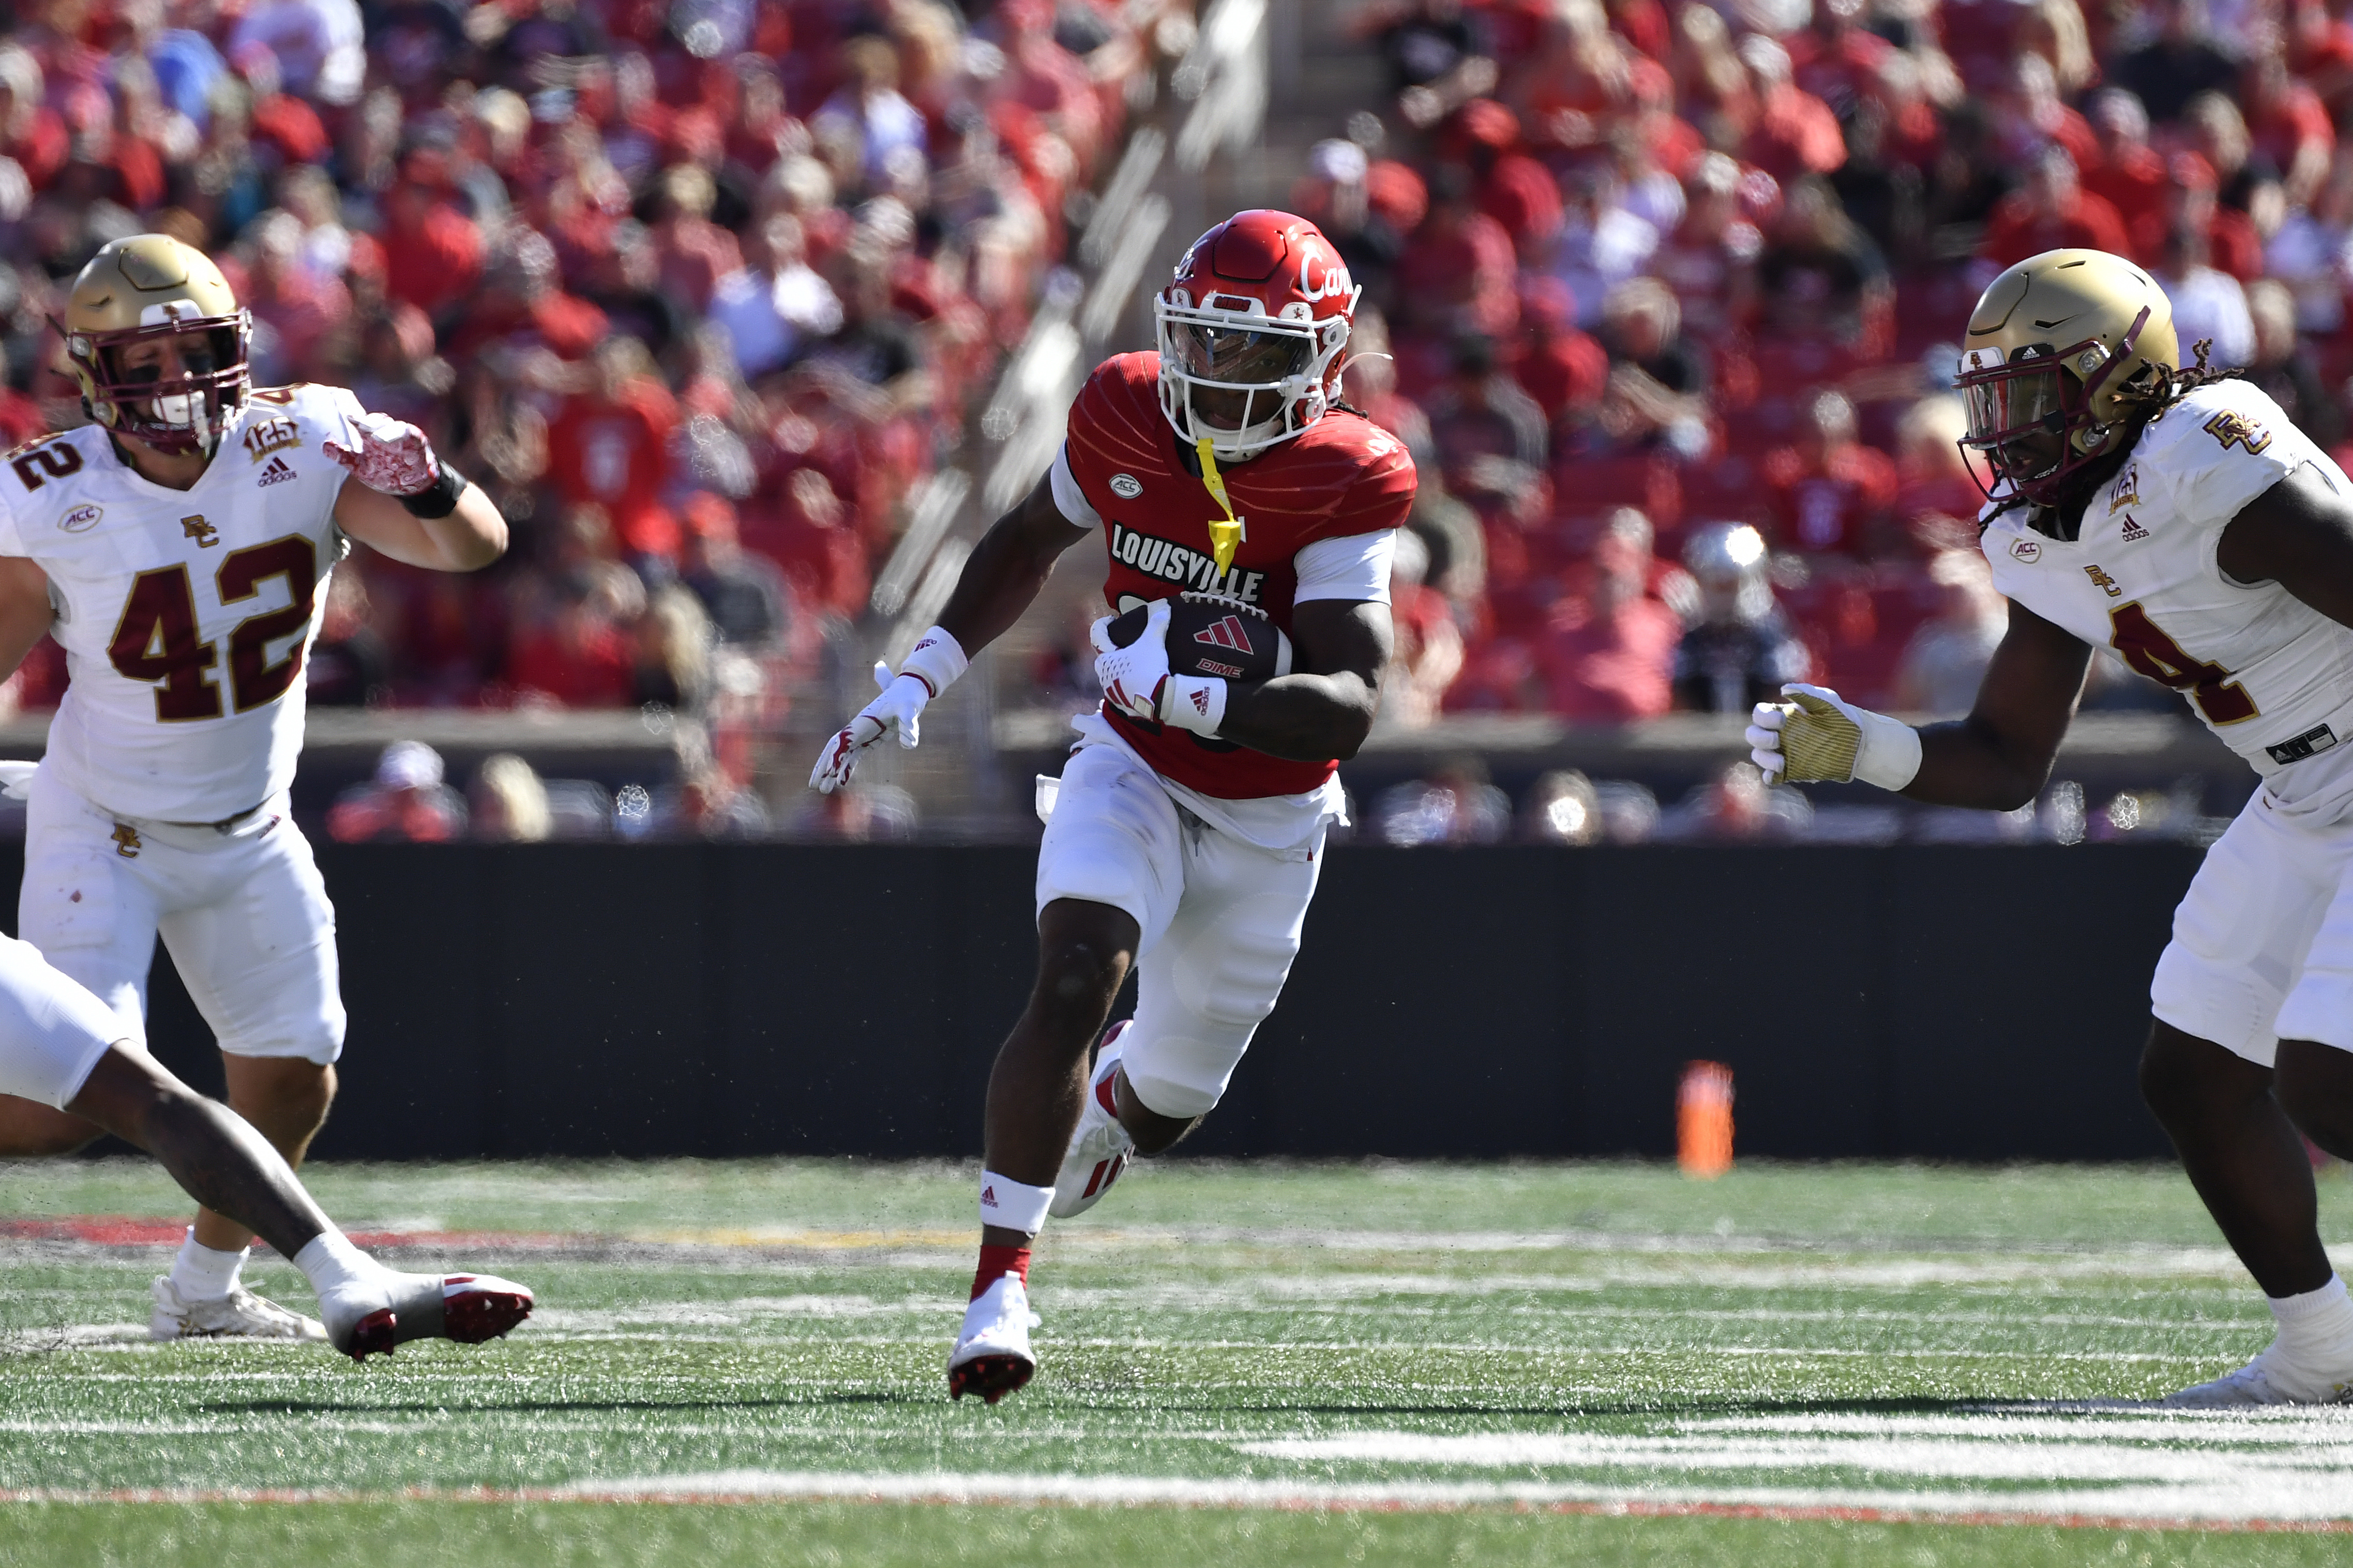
x,y
996,1263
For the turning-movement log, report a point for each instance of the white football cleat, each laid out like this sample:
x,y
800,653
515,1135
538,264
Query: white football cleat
x,y
393,1309
2270,1378
992,1356
239,1315
1101,1147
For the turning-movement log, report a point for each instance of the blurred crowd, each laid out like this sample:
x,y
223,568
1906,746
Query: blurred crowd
x,y
1661,293
699,290
1670,292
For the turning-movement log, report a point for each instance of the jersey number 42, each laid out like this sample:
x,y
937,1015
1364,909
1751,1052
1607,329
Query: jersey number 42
x,y
156,639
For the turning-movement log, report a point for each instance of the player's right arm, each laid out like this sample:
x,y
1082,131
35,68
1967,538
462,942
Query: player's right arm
x,y
1008,567
24,610
1001,577
1997,759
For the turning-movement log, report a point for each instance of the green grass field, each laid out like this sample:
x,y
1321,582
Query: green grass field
x,y
742,1363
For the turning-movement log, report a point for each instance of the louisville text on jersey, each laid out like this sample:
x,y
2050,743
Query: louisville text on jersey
x,y
1177,563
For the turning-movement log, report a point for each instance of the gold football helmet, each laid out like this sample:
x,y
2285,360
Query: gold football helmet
x,y
152,287
2063,350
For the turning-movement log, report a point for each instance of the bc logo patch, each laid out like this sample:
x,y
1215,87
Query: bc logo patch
x,y
2238,430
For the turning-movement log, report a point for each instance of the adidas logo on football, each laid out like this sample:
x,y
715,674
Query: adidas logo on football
x,y
2133,530
277,472
1227,633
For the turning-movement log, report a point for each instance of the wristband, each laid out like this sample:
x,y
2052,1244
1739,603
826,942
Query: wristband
x,y
936,659
1194,702
439,498
1889,752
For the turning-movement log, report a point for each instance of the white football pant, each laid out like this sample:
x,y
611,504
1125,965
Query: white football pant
x,y
244,914
2262,942
1221,921
52,1032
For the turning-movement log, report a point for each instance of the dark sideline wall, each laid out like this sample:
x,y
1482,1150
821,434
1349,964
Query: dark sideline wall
x,y
1951,1003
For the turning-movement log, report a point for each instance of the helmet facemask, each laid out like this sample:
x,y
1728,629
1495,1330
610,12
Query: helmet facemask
x,y
184,413
1242,378
2032,414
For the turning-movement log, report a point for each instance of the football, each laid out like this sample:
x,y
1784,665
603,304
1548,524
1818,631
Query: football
x,y
1209,634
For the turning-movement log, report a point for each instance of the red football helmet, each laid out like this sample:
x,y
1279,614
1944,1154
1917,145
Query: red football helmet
x,y
1256,318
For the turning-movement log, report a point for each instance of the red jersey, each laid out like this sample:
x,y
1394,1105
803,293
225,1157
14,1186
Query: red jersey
x,y
1343,475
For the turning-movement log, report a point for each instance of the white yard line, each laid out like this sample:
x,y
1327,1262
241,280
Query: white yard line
x,y
2239,1500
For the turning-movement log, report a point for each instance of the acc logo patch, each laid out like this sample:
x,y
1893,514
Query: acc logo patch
x,y
2025,549
81,519
1126,487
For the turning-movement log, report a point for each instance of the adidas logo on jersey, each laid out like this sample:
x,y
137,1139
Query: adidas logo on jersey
x,y
278,472
2133,530
1227,633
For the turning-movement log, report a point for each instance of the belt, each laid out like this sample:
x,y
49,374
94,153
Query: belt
x,y
225,823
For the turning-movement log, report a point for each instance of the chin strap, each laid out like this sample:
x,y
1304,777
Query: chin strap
x,y
1223,536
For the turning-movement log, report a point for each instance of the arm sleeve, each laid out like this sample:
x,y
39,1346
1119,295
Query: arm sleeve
x,y
1078,512
1354,567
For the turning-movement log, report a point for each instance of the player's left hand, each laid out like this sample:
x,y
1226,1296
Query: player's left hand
x,y
392,457
899,708
1132,676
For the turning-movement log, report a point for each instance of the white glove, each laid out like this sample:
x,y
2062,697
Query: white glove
x,y
393,456
931,669
1132,675
1136,679
1819,737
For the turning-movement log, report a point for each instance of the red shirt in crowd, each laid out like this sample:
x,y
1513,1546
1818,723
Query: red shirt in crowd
x,y
810,537
435,263
2020,230
1562,368
1829,505
1611,666
1796,134
2233,246
580,661
2132,183
1520,194
2295,120
616,455
1470,264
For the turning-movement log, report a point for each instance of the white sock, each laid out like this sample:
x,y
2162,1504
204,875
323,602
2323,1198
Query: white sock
x,y
202,1273
1013,1205
2317,1322
332,1263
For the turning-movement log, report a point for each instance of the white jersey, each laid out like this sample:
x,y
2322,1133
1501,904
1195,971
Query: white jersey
x,y
2269,674
186,614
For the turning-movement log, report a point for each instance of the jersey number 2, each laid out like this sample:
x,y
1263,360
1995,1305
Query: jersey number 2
x,y
2149,650
156,639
